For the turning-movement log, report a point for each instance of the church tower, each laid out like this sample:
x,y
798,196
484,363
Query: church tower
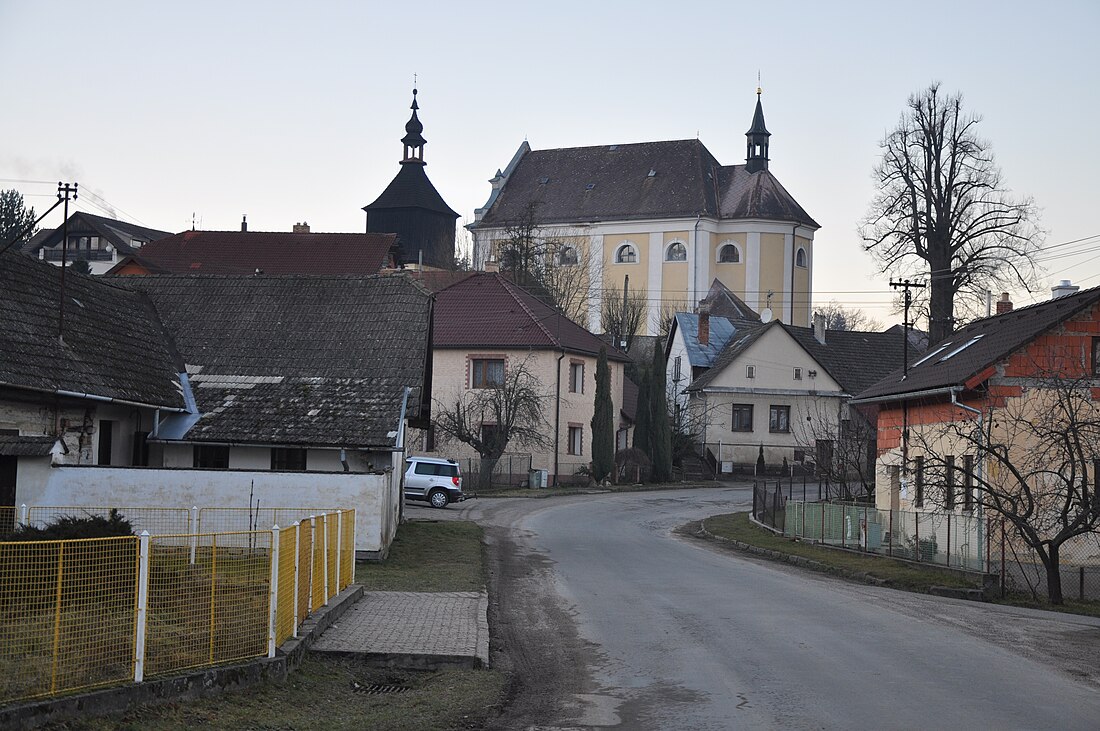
x,y
412,208
756,156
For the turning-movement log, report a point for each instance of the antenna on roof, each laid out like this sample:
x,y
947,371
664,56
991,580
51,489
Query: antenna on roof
x,y
192,220
758,89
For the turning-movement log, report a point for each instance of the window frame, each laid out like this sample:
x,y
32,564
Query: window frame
x,y
576,385
577,449
774,412
738,258
804,256
949,482
572,261
284,459
918,483
210,457
672,245
621,248
742,408
477,363
1096,357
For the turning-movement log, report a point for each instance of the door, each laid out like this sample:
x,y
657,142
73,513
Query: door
x,y
9,469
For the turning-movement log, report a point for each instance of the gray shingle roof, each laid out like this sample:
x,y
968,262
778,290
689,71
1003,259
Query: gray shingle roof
x,y
309,360
113,345
26,446
671,179
994,339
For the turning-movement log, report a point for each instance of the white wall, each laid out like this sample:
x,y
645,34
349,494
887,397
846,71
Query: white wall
x,y
373,496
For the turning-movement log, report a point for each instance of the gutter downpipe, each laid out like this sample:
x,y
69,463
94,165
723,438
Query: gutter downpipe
x,y
695,259
980,417
399,447
557,412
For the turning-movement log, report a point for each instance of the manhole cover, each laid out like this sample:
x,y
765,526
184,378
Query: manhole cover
x,y
379,689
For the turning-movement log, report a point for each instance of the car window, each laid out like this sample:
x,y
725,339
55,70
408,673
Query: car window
x,y
448,470
424,468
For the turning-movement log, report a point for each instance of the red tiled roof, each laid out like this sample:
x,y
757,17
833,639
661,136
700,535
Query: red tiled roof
x,y
273,252
485,310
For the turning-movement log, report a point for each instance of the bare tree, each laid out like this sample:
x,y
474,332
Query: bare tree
x,y
1035,460
942,209
489,419
842,442
664,317
622,318
839,317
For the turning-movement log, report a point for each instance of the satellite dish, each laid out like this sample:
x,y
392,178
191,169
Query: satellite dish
x,y
766,315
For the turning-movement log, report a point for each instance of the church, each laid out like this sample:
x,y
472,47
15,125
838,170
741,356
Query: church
x,y
665,214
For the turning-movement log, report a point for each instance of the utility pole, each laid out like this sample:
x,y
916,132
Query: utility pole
x,y
622,326
905,285
63,191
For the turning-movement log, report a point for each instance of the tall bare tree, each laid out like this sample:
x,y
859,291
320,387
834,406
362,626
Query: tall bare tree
x,y
839,317
1033,461
622,317
842,443
942,209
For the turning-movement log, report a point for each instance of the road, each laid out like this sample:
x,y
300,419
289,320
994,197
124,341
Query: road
x,y
610,620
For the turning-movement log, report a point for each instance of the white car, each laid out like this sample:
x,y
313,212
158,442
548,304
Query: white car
x,y
439,481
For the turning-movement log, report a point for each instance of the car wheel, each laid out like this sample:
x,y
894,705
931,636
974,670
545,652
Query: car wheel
x,y
438,498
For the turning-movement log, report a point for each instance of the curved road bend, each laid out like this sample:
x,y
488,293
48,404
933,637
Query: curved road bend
x,y
618,623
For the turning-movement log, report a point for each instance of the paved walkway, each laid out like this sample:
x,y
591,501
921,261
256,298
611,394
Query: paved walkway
x,y
424,628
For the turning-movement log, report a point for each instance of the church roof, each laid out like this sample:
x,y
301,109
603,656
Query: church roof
x,y
410,188
669,179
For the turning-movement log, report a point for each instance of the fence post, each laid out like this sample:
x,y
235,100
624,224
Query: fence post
x,y
754,514
57,615
213,589
1081,583
949,539
324,552
273,591
23,510
916,534
339,549
312,558
865,529
194,540
297,577
890,543
142,606
1002,558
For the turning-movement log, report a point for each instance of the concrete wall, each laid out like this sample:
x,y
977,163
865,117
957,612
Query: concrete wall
x,y
375,497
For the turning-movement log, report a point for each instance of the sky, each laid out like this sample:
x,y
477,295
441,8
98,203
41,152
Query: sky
x,y
291,111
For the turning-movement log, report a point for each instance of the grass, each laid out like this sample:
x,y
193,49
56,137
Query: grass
x,y
429,555
327,693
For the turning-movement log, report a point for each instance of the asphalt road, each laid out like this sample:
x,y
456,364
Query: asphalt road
x,y
610,620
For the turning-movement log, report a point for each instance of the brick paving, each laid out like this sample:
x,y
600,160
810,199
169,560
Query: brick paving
x,y
453,623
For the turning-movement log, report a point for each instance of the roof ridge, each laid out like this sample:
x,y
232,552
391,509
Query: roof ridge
x,y
521,303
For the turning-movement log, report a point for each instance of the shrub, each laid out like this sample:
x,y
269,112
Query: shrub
x,y
632,465
68,527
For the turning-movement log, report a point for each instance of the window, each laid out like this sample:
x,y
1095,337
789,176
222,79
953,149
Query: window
x,y
433,469
487,373
676,252
211,457
1096,357
567,256
729,254
677,373
742,417
798,374
576,440
968,482
949,483
139,456
918,498
106,439
800,258
779,419
626,254
576,376
288,460
750,371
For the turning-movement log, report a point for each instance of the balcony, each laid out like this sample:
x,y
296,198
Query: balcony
x,y
54,254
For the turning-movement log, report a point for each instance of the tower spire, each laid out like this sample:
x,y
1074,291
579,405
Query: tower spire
x,y
756,157
414,139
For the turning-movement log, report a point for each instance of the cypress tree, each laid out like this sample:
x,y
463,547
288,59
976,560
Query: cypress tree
x,y
641,418
603,424
660,431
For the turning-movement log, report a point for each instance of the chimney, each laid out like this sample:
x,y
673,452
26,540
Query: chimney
x,y
1004,304
244,223
819,328
492,266
704,323
301,228
1064,289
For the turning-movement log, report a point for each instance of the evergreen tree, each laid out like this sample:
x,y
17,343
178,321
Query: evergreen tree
x,y
660,431
603,424
15,218
642,417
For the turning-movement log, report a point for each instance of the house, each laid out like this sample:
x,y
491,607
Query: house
x,y
100,241
486,325
668,215
413,209
782,391
268,252
982,373
298,389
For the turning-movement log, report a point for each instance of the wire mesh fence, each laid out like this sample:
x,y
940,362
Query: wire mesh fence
x,y
81,614
511,470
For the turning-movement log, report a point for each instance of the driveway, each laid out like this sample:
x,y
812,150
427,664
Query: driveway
x,y
609,619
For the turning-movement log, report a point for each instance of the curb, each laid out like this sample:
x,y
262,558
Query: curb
x,y
209,681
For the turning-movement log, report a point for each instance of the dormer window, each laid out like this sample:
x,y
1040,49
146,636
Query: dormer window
x,y
676,252
626,254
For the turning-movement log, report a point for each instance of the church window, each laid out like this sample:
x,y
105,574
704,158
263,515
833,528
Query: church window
x,y
676,252
626,254
729,254
567,256
800,258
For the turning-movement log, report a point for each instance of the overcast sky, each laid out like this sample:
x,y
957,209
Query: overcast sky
x,y
294,111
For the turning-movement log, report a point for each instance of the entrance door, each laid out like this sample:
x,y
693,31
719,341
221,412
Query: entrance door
x,y
9,468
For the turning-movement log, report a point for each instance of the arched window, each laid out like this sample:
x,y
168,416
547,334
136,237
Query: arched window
x,y
676,252
567,256
800,258
626,254
729,254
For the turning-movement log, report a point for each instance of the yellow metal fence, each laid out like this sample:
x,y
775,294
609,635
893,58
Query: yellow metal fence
x,y
82,614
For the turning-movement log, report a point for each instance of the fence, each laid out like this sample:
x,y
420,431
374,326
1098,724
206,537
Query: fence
x,y
82,614
965,541
511,470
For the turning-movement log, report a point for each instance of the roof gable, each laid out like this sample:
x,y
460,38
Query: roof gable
x,y
118,233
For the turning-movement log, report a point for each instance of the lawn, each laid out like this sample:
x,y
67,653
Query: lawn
x,y
429,555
